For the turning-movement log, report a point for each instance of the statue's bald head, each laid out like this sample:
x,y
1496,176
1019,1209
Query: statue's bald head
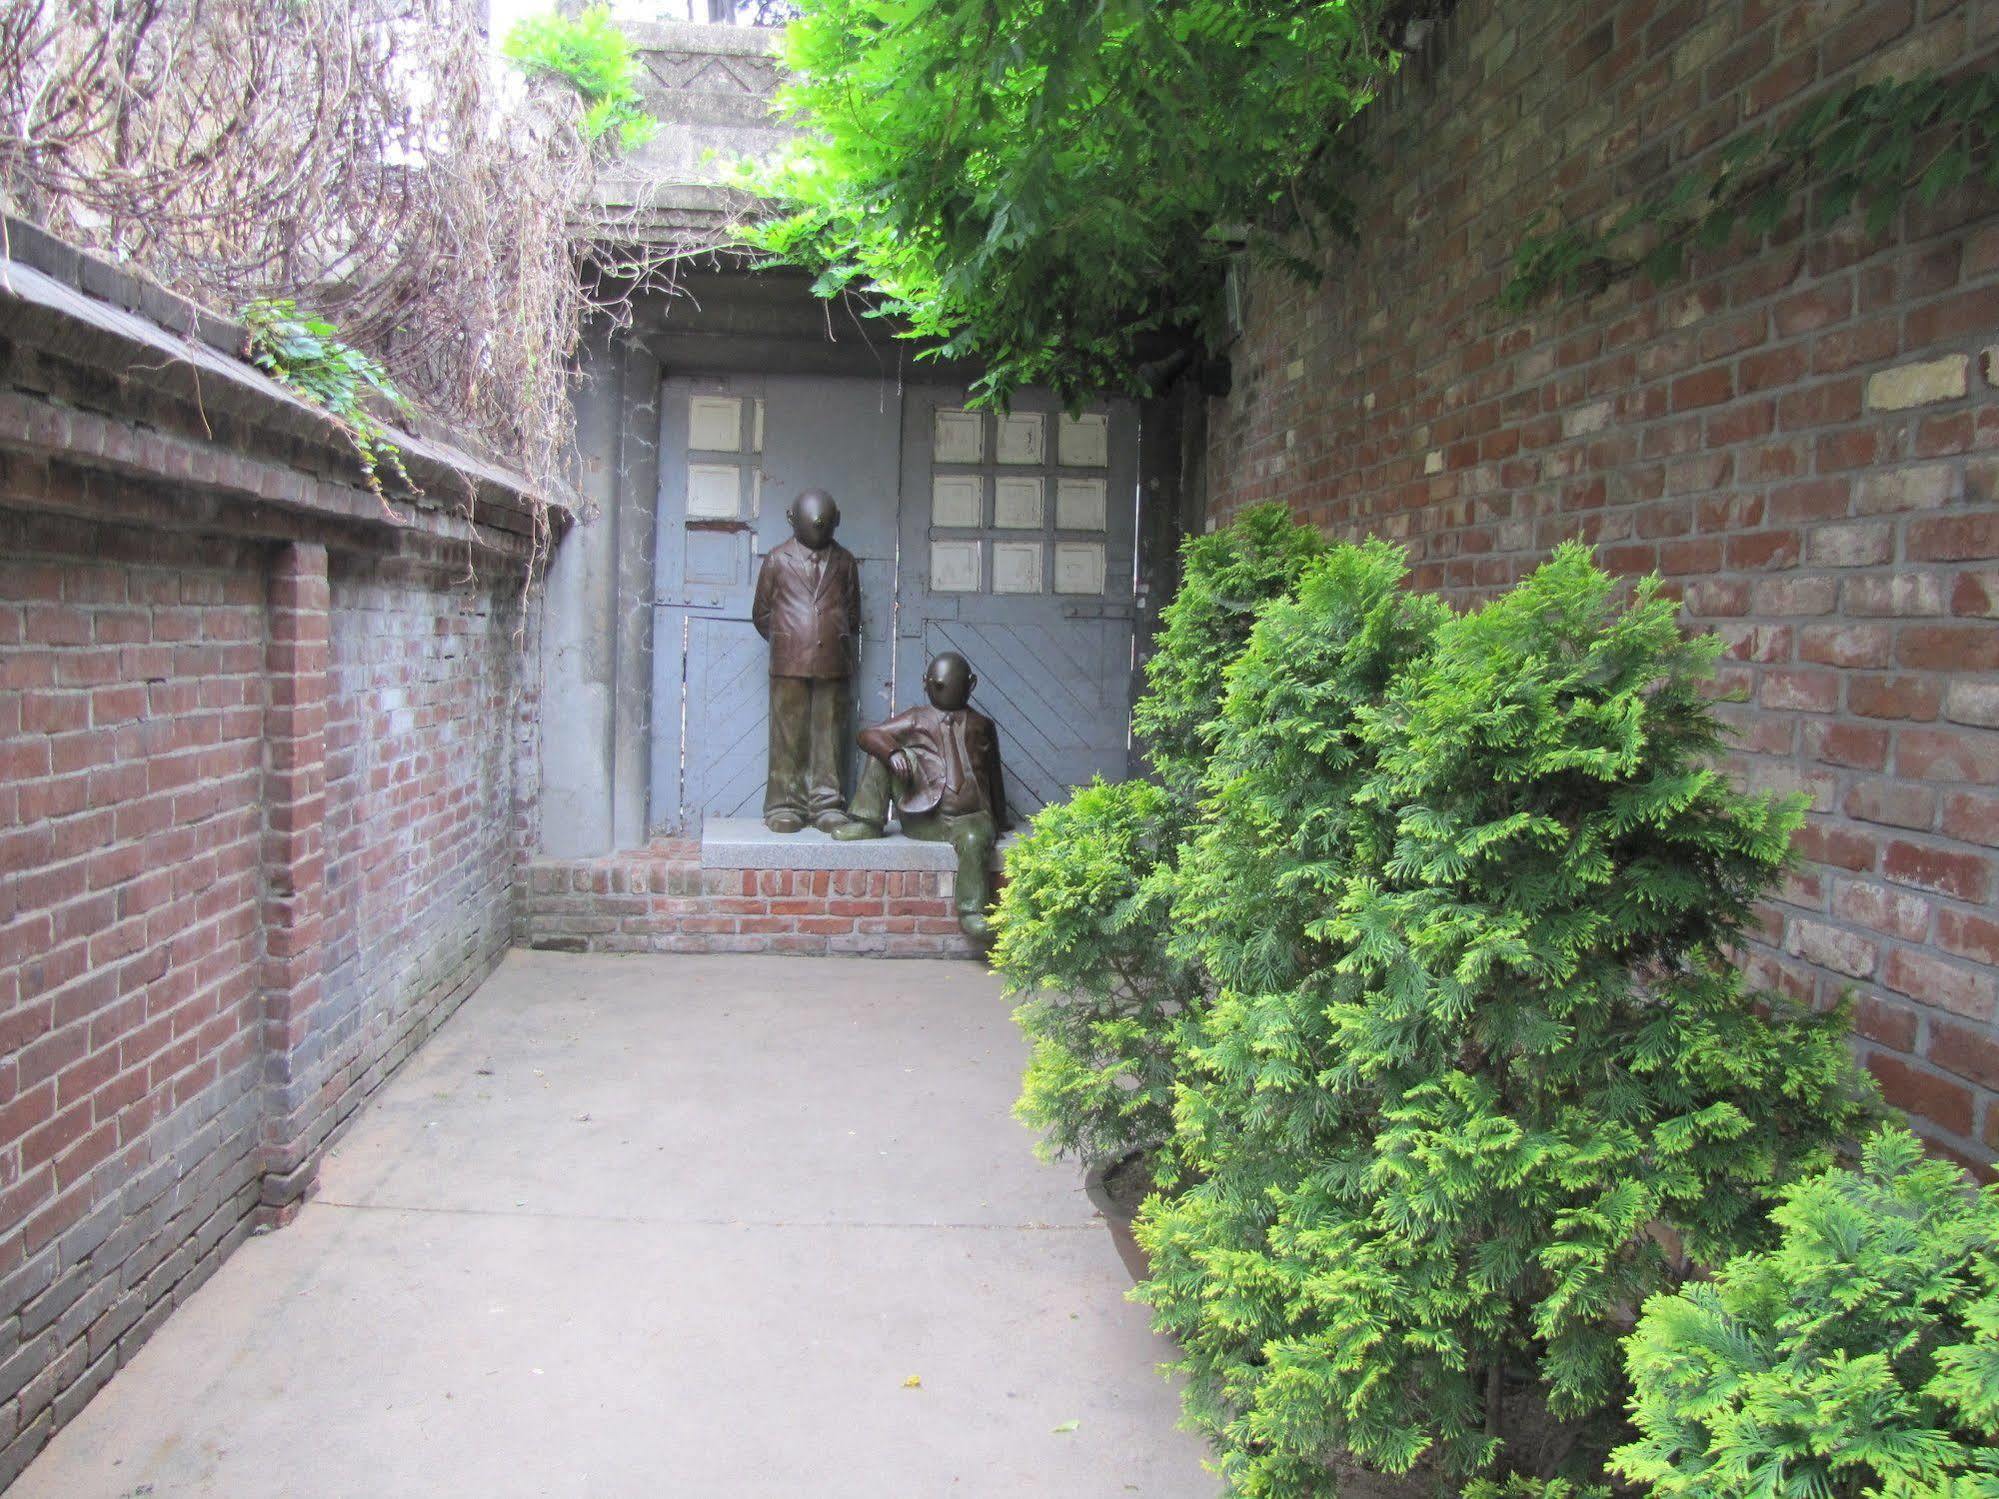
x,y
814,517
948,681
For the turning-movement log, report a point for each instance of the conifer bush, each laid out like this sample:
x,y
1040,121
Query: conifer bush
x,y
1083,922
1227,577
1082,929
1464,887
1858,1356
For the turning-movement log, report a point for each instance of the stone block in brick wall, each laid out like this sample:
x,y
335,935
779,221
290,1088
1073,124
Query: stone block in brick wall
x,y
1919,384
1957,987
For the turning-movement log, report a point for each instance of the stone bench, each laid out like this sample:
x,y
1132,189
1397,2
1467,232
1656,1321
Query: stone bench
x,y
745,843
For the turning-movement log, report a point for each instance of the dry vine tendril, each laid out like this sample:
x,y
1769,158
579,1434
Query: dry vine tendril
x,y
1873,146
358,160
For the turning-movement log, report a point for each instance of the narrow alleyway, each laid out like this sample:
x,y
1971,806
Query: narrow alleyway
x,y
662,1227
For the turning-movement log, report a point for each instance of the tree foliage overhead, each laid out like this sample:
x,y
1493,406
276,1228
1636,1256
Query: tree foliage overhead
x,y
1046,184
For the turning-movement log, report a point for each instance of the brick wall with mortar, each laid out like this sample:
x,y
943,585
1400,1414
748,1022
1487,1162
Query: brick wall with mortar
x,y
257,820
1802,435
419,818
660,899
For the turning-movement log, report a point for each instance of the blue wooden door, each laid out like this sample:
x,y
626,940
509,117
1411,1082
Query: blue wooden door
x,y
733,452
1017,537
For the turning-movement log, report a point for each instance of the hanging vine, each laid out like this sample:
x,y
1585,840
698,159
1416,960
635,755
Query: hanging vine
x,y
1868,150
362,160
307,356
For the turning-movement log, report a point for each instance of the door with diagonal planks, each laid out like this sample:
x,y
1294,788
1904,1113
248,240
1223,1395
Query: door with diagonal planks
x,y
734,450
1017,538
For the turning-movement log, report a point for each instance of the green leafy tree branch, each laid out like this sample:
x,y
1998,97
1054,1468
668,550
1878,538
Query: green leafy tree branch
x,y
1053,187
589,53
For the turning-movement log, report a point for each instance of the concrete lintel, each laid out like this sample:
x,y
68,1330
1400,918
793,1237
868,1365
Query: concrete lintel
x,y
715,39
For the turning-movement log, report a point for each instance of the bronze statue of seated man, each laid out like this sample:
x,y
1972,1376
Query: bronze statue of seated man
x,y
940,765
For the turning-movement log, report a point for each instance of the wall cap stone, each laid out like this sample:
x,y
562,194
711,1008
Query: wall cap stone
x,y
63,296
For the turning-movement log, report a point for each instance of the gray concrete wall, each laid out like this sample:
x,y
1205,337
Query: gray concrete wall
x,y
596,643
710,87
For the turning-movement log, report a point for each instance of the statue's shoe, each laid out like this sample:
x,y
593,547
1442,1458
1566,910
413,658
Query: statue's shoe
x,y
975,926
853,829
785,822
830,822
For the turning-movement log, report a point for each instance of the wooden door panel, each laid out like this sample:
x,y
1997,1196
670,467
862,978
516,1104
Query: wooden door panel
x,y
1059,724
733,452
1054,662
728,718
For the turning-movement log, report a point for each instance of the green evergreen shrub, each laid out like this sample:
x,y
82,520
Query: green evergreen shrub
x,y
1466,886
1226,579
1081,931
1288,760
1518,1486
1859,1356
1083,921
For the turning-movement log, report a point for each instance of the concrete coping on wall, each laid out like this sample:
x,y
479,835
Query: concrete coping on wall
x,y
134,329
745,843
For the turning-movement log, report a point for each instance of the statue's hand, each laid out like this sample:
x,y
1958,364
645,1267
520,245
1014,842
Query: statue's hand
x,y
899,763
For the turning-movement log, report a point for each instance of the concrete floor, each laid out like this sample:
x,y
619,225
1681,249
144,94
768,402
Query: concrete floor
x,y
668,1227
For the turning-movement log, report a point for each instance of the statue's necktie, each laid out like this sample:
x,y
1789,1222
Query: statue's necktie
x,y
954,750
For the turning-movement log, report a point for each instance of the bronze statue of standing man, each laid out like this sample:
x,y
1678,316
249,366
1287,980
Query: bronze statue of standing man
x,y
808,606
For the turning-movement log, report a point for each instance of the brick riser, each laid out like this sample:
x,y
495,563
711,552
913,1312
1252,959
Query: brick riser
x,y
662,900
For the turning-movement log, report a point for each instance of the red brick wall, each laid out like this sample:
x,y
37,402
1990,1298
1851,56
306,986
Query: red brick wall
x,y
420,812
1802,436
256,841
131,741
661,900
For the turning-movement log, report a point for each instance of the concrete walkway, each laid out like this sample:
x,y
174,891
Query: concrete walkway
x,y
668,1227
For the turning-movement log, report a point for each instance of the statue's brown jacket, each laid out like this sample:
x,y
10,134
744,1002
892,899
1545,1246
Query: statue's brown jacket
x,y
812,630
959,778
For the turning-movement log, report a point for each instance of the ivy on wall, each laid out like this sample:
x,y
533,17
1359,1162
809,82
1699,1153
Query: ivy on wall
x,y
308,357
1868,150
